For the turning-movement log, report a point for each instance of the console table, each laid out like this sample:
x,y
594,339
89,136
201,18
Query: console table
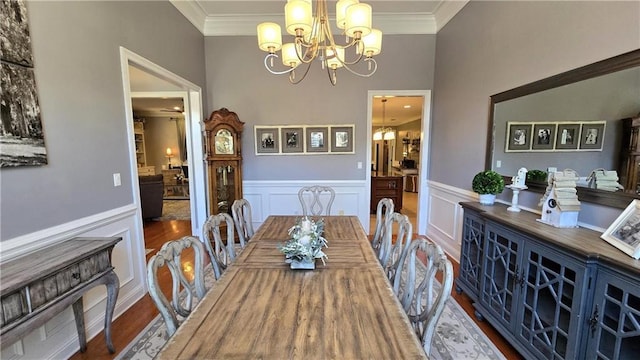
x,y
37,286
552,293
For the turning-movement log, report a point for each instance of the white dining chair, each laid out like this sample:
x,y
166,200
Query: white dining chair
x,y
241,211
422,297
222,251
383,213
316,200
392,248
169,255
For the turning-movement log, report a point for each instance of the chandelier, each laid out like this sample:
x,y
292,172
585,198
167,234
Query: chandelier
x,y
314,40
384,133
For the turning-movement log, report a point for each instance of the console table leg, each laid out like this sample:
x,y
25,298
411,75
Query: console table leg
x,y
113,287
78,314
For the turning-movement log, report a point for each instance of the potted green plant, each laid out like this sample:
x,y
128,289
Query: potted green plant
x,y
487,184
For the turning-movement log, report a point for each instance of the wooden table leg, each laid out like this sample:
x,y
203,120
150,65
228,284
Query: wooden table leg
x,y
113,287
78,314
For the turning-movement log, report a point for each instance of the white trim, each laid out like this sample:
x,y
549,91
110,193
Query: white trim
x,y
27,243
192,96
245,24
446,11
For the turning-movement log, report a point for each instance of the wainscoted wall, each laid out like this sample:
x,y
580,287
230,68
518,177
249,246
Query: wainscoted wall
x,y
58,338
444,215
281,198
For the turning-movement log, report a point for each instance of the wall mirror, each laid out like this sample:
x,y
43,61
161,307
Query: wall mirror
x,y
598,95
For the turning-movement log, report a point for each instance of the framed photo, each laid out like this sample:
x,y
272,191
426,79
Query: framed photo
x,y
342,139
568,136
317,139
292,139
592,135
624,233
267,140
544,136
518,137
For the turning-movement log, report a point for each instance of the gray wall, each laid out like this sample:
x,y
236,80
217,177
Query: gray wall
x,y
78,75
237,80
490,47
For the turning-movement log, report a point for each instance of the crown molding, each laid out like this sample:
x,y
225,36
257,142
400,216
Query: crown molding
x,y
389,23
447,10
192,11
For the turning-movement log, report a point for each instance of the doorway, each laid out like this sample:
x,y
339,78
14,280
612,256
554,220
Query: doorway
x,y
404,121
156,82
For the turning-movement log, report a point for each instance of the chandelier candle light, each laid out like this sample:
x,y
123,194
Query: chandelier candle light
x,y
314,40
384,133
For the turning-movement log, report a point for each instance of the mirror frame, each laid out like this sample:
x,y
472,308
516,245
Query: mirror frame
x,y
621,62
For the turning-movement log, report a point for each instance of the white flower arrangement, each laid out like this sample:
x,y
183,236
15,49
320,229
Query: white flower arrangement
x,y
306,241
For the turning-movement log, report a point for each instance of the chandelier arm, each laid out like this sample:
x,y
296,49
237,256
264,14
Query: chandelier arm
x,y
309,48
373,71
295,82
266,65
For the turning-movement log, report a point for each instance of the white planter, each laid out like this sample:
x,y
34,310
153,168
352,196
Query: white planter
x,y
309,265
487,199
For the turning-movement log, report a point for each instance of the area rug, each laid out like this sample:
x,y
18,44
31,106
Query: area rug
x,y
175,210
456,337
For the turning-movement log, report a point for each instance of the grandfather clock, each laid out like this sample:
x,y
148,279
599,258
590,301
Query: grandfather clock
x,y
223,134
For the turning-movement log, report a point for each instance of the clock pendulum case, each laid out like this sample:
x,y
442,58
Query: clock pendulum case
x,y
223,147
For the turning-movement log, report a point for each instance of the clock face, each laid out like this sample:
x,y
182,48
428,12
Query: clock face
x,y
224,142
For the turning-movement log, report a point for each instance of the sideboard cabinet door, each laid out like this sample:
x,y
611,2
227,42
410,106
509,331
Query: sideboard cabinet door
x,y
552,286
499,274
471,255
613,325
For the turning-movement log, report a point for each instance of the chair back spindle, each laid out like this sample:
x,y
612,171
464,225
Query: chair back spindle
x,y
241,210
169,256
316,200
383,214
421,296
221,251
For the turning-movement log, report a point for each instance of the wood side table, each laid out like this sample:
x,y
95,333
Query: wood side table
x,y
37,286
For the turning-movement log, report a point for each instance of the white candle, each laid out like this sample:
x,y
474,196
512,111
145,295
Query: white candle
x,y
305,225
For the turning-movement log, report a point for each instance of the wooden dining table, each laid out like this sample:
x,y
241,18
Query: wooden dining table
x,y
262,309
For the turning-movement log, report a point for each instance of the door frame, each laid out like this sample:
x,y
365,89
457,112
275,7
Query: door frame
x,y
192,95
425,140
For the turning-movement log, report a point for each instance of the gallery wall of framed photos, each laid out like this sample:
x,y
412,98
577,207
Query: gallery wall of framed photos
x,y
304,139
554,136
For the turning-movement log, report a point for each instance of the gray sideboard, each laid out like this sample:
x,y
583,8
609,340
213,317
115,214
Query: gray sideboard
x,y
552,293
37,286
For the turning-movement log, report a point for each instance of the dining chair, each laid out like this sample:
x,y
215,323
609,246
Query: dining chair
x,y
421,295
180,307
391,250
222,252
383,213
312,197
241,211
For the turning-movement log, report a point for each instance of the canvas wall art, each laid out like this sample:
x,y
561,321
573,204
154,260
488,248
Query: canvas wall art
x,y
21,133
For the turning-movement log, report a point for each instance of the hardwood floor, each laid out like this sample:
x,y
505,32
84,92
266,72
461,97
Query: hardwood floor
x,y
135,319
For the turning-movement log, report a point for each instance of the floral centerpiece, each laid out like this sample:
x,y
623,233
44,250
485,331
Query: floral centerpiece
x,y
305,245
